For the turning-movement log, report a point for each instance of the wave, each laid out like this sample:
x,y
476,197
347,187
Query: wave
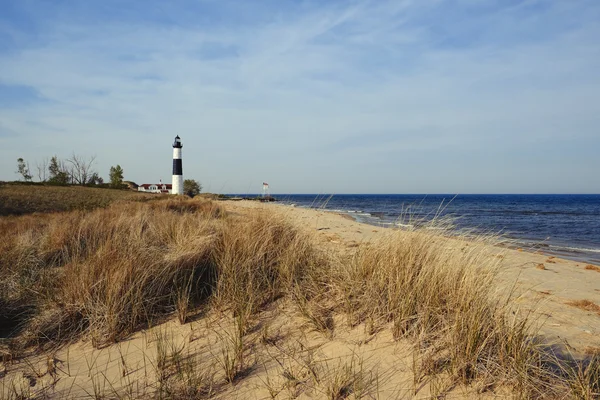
x,y
527,212
556,247
574,249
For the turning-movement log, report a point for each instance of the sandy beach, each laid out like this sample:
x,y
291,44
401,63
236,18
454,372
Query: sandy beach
x,y
388,199
542,284
286,357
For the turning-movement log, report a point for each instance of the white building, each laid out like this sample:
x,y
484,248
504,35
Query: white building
x,y
156,188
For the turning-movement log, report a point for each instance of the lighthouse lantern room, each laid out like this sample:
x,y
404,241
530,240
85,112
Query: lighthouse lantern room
x,y
177,167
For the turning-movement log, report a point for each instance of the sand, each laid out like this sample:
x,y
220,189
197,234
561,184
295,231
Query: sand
x,y
541,283
285,357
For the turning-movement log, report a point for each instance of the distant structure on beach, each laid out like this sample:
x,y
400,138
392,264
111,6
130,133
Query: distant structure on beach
x,y
155,188
266,192
177,187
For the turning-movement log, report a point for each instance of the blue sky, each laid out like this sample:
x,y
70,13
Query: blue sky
x,y
406,96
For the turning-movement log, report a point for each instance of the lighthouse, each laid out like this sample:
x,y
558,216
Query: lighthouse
x,y
177,167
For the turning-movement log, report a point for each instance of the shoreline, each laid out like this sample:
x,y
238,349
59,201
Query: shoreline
x,y
565,225
561,225
539,283
275,347
568,251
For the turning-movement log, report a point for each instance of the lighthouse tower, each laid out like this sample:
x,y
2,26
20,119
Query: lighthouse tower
x,y
177,167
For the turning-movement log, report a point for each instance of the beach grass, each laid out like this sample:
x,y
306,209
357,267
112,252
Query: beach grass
x,y
105,274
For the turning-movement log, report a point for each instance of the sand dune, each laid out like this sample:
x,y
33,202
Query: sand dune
x,y
283,355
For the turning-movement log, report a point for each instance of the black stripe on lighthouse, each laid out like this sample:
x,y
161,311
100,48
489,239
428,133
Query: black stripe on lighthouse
x,y
177,167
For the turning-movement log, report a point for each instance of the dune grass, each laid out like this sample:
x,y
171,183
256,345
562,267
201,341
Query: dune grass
x,y
108,272
439,292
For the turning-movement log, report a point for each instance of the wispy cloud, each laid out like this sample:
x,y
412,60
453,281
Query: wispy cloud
x,y
384,96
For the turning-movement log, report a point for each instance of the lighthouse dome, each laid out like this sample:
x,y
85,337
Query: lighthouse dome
x,y
177,143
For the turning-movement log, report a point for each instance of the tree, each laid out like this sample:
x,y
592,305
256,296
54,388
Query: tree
x,y
23,169
81,169
191,187
95,179
42,170
116,177
58,172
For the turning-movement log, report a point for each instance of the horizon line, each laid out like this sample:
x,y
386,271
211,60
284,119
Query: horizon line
x,y
417,194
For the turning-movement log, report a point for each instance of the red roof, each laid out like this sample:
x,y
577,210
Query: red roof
x,y
158,185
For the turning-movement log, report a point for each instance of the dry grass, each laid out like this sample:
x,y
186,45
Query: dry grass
x,y
591,267
262,257
20,199
540,266
440,293
348,379
110,271
106,273
592,351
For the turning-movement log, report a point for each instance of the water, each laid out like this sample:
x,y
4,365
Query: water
x,y
565,225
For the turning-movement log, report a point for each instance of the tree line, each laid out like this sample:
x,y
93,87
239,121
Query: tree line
x,y
78,170
75,170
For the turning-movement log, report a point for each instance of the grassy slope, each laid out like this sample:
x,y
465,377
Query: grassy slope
x,y
19,199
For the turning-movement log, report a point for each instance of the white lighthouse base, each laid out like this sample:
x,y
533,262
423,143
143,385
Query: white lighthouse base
x,y
177,184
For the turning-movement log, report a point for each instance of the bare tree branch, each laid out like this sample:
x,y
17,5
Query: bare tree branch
x,y
81,169
42,170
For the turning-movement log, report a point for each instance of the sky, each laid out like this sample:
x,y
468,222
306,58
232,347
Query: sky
x,y
404,96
